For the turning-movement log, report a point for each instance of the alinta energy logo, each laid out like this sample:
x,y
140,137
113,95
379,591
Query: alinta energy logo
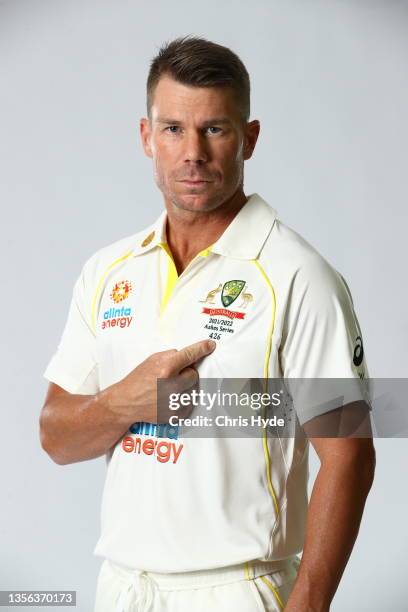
x,y
162,444
118,317
121,291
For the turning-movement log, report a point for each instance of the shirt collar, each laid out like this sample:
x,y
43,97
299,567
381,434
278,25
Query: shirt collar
x,y
246,234
152,236
243,238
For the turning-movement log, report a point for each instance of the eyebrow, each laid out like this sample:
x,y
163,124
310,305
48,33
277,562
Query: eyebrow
x,y
208,123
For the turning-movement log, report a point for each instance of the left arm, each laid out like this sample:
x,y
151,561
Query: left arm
x,y
335,510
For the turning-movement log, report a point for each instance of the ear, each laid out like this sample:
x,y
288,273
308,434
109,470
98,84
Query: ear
x,y
251,136
145,135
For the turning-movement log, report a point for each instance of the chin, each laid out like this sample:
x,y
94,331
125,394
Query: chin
x,y
195,202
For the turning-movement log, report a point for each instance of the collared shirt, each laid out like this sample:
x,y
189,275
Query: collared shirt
x,y
276,308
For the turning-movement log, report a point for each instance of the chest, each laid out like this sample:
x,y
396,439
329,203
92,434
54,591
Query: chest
x,y
142,310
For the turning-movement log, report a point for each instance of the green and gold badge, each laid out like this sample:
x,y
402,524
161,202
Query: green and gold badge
x,y
231,291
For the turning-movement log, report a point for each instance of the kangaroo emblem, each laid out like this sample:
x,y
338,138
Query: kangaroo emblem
x,y
247,298
211,295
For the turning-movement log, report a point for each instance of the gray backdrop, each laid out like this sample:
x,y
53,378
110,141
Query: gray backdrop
x,y
329,86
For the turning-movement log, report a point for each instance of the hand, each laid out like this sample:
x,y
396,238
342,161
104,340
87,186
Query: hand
x,y
134,398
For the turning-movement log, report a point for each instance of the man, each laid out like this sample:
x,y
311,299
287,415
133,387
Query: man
x,y
217,287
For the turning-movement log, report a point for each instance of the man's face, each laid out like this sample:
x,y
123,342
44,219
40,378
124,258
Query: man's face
x,y
198,144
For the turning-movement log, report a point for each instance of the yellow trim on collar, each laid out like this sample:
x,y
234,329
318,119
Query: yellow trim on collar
x,y
172,274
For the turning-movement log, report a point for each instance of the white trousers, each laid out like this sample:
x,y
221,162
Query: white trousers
x,y
252,587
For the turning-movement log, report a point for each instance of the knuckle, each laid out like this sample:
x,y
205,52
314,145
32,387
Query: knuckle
x,y
188,353
163,372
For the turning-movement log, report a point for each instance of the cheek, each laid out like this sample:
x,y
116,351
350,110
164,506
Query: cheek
x,y
230,154
237,151
233,163
165,157
161,163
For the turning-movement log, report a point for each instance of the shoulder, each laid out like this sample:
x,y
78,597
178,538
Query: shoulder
x,y
100,261
96,268
296,263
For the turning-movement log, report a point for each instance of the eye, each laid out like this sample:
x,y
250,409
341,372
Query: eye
x,y
212,127
172,129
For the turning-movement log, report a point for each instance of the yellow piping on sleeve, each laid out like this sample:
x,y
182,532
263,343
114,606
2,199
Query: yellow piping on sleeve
x,y
98,288
274,591
266,376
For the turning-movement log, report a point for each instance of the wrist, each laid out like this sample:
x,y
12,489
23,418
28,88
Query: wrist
x,y
304,600
108,400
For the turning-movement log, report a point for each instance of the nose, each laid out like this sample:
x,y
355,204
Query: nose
x,y
195,147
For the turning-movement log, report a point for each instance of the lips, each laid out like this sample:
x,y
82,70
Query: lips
x,y
195,182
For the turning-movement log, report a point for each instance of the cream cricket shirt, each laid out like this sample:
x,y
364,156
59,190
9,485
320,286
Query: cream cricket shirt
x,y
173,504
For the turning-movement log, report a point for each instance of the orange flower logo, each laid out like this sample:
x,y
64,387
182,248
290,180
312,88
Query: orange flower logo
x,y
121,291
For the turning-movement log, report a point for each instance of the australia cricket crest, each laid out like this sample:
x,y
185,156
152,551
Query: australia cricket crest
x,y
230,291
223,321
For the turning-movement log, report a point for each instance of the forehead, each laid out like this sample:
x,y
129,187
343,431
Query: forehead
x,y
176,100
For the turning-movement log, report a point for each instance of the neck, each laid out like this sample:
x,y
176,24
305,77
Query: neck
x,y
189,232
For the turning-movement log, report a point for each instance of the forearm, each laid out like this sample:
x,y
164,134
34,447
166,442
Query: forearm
x,y
334,515
80,427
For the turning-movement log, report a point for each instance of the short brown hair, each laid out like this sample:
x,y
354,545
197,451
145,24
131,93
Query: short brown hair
x,y
199,62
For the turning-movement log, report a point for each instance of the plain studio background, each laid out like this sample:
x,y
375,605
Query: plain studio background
x,y
329,86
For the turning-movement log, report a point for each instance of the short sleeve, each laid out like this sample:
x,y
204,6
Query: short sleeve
x,y
74,364
322,339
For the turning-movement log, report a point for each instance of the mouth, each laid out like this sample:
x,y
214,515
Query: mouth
x,y
195,182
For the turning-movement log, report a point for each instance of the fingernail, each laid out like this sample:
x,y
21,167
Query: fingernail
x,y
212,344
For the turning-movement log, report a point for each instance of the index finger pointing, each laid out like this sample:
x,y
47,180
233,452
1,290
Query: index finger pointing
x,y
188,355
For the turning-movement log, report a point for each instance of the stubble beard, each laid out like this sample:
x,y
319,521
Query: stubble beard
x,y
212,203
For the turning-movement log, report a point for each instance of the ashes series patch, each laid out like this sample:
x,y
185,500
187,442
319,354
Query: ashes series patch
x,y
221,320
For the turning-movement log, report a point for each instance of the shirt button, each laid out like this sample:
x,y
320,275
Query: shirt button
x,y
148,239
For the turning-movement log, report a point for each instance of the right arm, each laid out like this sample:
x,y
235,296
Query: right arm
x,y
77,427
